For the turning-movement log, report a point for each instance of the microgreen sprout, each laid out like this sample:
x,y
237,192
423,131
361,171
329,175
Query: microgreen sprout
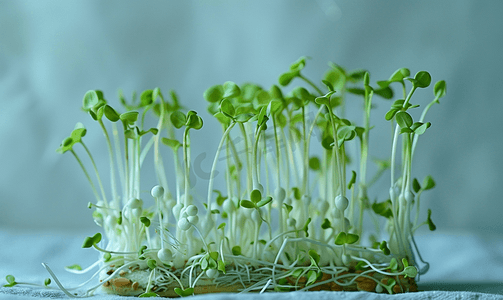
x,y
11,281
296,188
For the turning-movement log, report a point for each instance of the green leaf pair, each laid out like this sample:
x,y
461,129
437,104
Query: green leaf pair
x,y
315,258
326,224
91,99
74,267
346,238
236,250
191,120
440,89
305,228
383,208
431,226
325,100
148,295
352,181
398,76
11,281
422,79
389,285
384,248
345,133
403,119
209,261
303,95
184,293
173,144
107,257
313,276
75,137
145,221
256,200
218,92
294,71
220,198
141,252
227,109
314,163
274,107
428,184
152,264
407,125
91,241
408,271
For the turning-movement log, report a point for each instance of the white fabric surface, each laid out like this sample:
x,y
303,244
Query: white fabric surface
x,y
25,293
454,257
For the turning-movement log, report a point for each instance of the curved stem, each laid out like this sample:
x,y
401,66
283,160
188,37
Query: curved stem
x,y
311,84
112,166
87,174
248,162
97,173
423,115
213,167
256,168
187,165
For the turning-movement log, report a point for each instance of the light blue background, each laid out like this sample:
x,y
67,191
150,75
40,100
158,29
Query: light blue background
x,y
52,52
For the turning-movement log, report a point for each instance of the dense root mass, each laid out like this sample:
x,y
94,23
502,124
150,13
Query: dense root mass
x,y
136,282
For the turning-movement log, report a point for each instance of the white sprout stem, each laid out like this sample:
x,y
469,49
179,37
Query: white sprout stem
x,y
214,166
421,119
159,165
418,200
267,158
186,158
393,154
308,143
58,283
266,286
86,174
278,174
335,154
161,224
97,173
113,252
118,155
374,268
126,164
228,179
202,238
112,165
427,265
256,169
362,187
146,149
179,174
248,161
393,196
290,157
136,178
237,161
305,176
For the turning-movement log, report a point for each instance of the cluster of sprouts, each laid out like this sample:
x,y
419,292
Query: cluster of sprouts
x,y
290,215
